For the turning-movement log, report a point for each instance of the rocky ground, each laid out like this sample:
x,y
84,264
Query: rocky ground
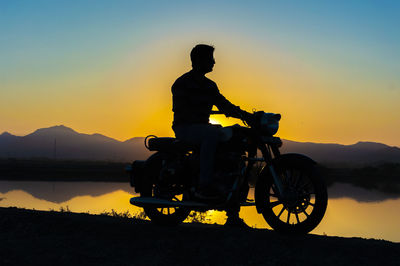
x,y
62,238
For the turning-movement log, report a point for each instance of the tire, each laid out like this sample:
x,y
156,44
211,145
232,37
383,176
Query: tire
x,y
161,216
304,209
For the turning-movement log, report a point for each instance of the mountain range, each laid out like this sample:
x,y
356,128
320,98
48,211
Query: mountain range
x,y
61,142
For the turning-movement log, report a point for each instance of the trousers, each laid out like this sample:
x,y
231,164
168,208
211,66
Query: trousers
x,y
206,136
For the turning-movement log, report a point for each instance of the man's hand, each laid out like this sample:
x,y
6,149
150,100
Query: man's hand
x,y
249,118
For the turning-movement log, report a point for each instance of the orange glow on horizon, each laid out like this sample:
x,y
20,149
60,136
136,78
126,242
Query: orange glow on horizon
x,y
133,98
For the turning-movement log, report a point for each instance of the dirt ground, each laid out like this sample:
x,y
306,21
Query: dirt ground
x,y
52,238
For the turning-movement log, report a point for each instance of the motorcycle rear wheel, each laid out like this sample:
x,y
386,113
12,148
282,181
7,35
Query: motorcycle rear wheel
x,y
161,216
305,208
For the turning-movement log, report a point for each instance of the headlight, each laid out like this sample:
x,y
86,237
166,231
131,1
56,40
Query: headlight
x,y
269,123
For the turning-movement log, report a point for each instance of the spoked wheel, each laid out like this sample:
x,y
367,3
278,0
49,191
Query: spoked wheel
x,y
167,215
304,203
163,216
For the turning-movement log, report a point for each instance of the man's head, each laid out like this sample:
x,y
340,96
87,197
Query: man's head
x,y
202,58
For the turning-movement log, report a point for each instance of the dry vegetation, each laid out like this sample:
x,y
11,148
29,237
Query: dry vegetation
x,y
63,238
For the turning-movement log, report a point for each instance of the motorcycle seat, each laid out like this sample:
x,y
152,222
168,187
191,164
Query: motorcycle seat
x,y
169,144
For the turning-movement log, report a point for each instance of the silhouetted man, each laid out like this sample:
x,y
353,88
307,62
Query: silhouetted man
x,y
193,98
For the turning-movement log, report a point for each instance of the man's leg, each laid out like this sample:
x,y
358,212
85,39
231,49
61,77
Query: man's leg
x,y
210,136
207,137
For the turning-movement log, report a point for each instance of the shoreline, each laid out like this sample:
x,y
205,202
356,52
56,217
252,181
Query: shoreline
x,y
383,178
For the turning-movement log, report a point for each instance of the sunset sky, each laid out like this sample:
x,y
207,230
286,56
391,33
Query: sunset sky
x,y
331,68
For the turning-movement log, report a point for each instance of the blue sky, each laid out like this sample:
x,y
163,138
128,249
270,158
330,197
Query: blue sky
x,y
54,51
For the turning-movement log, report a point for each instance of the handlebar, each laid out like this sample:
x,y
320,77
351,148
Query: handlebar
x,y
215,112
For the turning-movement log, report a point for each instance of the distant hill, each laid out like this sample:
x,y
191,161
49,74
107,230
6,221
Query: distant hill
x,y
359,154
62,142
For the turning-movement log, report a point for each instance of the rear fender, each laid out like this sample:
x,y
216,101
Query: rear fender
x,y
136,174
143,172
264,174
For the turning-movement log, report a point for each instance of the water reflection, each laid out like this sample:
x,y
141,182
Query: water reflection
x,y
339,190
59,192
351,211
92,197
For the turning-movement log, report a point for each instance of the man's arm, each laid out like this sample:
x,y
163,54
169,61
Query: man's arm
x,y
229,109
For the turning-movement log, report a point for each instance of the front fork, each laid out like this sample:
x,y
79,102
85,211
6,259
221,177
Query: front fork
x,y
268,160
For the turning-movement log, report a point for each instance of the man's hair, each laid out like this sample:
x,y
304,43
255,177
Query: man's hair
x,y
200,51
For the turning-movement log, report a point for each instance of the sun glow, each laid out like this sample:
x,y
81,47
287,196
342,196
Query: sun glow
x,y
214,121
121,86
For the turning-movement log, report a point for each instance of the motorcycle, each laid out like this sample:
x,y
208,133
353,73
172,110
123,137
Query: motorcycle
x,y
289,191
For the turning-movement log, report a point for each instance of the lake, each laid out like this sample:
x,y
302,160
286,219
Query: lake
x,y
352,211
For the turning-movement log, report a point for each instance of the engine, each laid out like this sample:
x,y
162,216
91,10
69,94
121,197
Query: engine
x,y
228,166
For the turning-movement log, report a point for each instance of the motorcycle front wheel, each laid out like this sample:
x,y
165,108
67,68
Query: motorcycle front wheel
x,y
305,201
162,216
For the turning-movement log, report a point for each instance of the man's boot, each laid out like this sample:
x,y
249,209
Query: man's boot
x,y
233,219
236,221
